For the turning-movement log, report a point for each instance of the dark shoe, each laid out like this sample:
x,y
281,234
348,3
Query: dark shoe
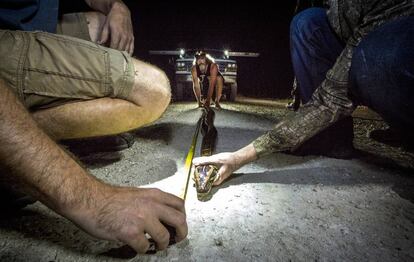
x,y
335,142
87,146
11,200
393,137
128,138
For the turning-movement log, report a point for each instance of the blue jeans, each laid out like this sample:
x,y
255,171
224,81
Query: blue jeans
x,y
382,68
314,49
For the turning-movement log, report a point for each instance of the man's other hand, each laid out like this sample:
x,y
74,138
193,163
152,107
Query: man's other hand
x,y
117,31
126,214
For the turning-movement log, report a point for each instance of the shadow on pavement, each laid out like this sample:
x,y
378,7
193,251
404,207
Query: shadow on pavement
x,y
402,181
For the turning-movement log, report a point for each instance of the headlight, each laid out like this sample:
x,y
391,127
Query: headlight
x,y
231,67
181,66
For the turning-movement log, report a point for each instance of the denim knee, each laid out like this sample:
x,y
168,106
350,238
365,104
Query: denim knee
x,y
382,72
304,23
383,63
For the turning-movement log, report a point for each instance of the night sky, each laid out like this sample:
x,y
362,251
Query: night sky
x,y
235,26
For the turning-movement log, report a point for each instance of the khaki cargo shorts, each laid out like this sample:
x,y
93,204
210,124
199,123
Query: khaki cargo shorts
x,y
46,70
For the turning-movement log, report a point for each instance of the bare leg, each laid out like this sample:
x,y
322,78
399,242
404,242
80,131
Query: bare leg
x,y
147,101
42,169
219,90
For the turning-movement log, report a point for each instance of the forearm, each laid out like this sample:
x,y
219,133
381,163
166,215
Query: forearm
x,y
37,164
294,130
330,102
245,155
103,6
212,84
196,85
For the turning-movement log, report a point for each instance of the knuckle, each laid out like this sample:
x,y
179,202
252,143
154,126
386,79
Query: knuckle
x,y
155,191
130,234
142,205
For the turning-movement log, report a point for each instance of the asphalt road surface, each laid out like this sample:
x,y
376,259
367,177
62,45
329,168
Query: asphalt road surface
x,y
280,208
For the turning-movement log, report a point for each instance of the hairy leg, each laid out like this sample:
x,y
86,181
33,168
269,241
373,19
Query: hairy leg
x,y
42,169
147,101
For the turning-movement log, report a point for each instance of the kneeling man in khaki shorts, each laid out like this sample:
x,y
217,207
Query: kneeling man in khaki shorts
x,y
79,81
75,87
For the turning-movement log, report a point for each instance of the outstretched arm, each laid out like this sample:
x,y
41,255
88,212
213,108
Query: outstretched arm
x,y
38,166
212,83
196,85
329,104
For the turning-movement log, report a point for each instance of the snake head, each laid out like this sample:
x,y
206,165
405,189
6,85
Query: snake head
x,y
204,177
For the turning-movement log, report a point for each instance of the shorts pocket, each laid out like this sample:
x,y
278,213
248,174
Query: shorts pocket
x,y
65,67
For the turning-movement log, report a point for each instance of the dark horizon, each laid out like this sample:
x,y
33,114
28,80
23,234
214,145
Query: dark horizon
x,y
244,27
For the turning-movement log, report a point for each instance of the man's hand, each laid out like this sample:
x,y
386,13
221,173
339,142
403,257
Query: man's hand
x,y
126,214
117,31
45,171
228,162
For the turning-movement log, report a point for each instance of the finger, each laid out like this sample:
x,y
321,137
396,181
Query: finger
x,y
115,39
131,46
122,45
204,160
220,177
169,200
104,34
138,242
175,219
128,47
159,233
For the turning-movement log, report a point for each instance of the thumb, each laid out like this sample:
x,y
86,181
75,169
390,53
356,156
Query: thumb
x,y
221,176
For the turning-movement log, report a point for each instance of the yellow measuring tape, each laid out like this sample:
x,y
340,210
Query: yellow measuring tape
x,y
190,155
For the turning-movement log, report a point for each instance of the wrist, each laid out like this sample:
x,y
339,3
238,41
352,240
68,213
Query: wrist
x,y
245,155
92,194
